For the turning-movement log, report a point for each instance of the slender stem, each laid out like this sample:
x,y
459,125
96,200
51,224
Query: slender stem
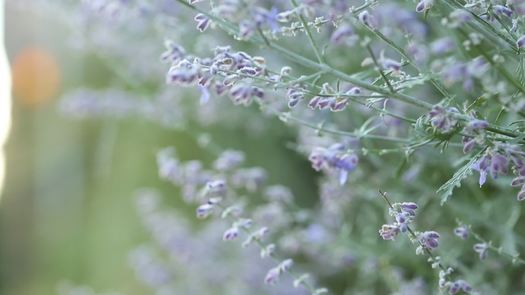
x,y
339,132
318,54
402,52
374,59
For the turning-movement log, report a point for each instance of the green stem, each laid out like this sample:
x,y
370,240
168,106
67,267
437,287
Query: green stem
x,y
318,54
374,59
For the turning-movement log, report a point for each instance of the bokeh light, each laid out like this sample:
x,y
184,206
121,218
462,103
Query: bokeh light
x,y
36,76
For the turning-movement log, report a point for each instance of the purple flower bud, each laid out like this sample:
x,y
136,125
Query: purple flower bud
x,y
520,43
220,88
429,239
338,106
292,103
465,286
272,276
424,5
231,234
343,32
482,167
295,93
468,144
498,165
242,94
204,210
481,249
390,64
203,22
366,19
184,73
353,91
314,102
518,181
402,219
459,285
389,231
462,232
442,118
257,92
503,10
216,187
324,102
250,71
346,162
409,207
521,194
476,124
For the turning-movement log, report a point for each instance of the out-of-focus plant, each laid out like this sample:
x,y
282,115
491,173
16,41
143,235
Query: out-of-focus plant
x,y
411,97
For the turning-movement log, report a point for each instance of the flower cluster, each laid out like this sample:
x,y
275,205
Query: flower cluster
x,y
453,287
336,158
404,214
498,161
214,189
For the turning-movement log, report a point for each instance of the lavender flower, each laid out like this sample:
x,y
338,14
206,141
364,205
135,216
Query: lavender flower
x,y
424,5
520,43
503,10
295,95
275,273
203,22
404,214
367,19
443,118
458,286
462,232
481,249
344,34
389,231
429,240
335,159
231,234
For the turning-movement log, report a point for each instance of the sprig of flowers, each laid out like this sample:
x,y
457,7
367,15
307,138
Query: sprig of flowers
x,y
427,241
216,199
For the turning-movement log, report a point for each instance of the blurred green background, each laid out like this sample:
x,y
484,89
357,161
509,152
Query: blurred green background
x,y
67,210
